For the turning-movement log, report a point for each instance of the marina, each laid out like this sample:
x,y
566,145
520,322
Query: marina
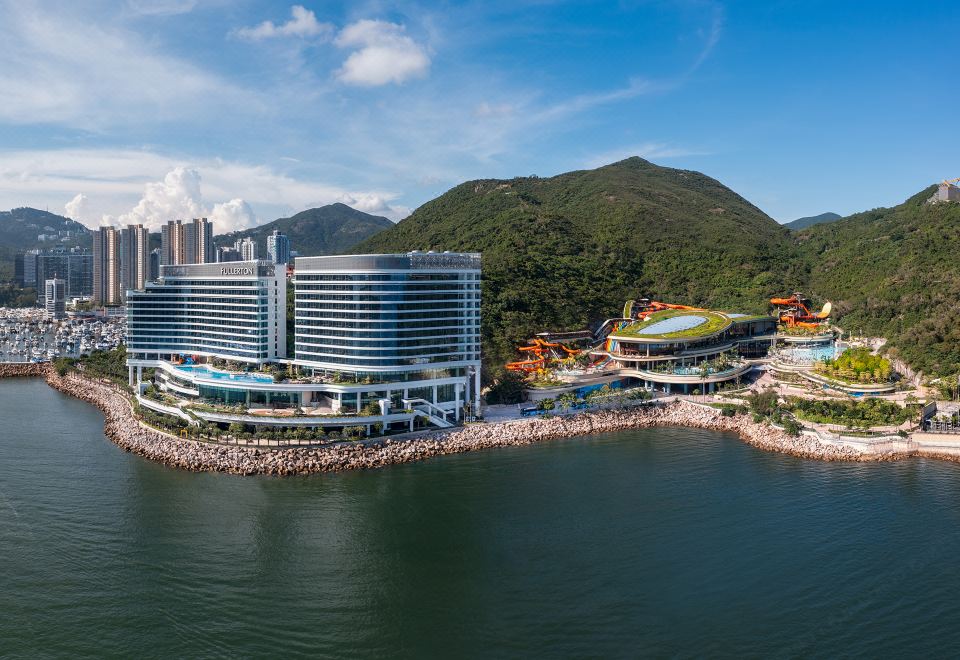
x,y
27,335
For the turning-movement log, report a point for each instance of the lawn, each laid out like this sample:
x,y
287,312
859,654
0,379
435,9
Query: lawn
x,y
715,322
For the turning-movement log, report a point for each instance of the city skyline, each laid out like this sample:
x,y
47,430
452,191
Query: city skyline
x,y
384,106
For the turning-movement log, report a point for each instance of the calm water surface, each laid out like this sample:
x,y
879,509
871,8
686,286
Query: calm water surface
x,y
647,543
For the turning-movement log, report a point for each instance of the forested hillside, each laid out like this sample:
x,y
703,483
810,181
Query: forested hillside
x,y
894,272
330,229
565,251
811,220
21,228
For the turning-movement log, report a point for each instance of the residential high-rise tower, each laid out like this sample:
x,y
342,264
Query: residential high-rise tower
x,y
107,289
278,247
135,257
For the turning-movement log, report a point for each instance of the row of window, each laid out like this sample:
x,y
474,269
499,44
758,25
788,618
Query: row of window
x,y
349,361
302,276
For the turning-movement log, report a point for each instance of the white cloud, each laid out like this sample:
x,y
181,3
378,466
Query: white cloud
x,y
69,69
177,196
161,7
232,216
303,23
374,204
142,186
78,208
385,54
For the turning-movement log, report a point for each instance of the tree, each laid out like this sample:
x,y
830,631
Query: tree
x,y
509,388
567,400
791,426
762,403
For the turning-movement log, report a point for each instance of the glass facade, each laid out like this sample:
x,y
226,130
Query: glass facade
x,y
234,313
388,319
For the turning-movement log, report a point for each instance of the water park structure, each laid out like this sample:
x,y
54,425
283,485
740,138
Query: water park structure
x,y
684,349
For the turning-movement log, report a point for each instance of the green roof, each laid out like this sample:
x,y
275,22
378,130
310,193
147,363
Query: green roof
x,y
657,325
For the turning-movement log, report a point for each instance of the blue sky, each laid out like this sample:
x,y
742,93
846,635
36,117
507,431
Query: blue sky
x,y
246,111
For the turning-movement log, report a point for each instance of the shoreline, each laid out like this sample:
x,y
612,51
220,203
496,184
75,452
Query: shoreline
x,y
124,430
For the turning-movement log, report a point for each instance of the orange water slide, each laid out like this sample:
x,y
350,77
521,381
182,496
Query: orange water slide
x,y
526,365
546,344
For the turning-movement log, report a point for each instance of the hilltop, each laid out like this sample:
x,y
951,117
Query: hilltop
x,y
894,272
810,220
21,229
330,229
566,251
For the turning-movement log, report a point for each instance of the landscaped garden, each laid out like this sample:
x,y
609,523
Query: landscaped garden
x,y
856,365
852,414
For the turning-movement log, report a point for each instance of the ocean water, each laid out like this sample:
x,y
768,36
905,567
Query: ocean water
x,y
652,543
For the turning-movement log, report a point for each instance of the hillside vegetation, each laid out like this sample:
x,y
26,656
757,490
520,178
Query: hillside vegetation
x,y
894,272
331,229
566,251
809,221
19,229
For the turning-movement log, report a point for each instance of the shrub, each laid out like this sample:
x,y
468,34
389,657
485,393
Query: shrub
x,y
791,426
762,403
855,414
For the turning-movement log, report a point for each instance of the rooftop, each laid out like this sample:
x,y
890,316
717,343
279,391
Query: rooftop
x,y
685,324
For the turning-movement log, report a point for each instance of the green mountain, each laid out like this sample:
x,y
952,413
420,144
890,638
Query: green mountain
x,y
330,229
21,229
566,251
810,220
894,272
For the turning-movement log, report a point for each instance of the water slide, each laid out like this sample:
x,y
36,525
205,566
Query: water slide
x,y
797,313
526,365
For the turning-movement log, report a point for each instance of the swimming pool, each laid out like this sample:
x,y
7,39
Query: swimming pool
x,y
811,354
674,324
204,372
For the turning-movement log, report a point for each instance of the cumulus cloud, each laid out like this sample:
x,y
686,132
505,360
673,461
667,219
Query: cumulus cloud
x,y
232,216
375,204
384,54
177,196
78,208
303,23
132,186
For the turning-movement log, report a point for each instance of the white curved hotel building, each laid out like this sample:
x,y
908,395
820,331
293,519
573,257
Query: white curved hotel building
x,y
390,340
405,318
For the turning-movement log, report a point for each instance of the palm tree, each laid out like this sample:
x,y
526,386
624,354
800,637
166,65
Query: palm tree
x,y
704,373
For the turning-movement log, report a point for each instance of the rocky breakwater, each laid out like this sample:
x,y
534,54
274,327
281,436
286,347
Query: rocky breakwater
x,y
125,430
769,438
24,369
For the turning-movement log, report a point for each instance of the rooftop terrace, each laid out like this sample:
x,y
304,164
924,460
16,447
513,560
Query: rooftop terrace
x,y
677,324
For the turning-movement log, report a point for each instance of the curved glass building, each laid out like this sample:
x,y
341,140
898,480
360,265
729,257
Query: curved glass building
x,y
408,318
